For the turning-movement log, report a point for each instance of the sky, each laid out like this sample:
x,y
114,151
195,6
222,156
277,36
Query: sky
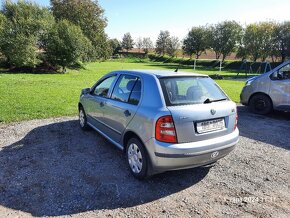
x,y
145,18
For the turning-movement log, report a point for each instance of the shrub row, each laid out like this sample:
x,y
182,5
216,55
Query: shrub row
x,y
227,64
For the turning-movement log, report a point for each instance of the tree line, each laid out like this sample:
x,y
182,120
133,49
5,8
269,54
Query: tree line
x,y
70,32
255,41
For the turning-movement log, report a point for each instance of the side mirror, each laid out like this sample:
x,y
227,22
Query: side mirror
x,y
280,75
274,76
86,91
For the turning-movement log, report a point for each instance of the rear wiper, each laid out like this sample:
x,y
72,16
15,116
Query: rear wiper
x,y
213,100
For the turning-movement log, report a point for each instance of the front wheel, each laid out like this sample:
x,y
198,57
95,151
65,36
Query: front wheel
x,y
137,158
261,104
83,119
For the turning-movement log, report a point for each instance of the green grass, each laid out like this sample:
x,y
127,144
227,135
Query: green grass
x,y
33,96
232,88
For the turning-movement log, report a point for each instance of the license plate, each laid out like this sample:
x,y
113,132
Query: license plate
x,y
210,125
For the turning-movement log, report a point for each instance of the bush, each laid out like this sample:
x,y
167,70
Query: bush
x,y
89,16
23,25
66,45
20,50
228,64
30,37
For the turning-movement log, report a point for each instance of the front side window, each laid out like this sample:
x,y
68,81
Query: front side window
x,y
102,89
281,74
190,90
126,89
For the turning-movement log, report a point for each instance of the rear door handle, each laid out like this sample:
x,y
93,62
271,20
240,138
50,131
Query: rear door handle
x,y
127,113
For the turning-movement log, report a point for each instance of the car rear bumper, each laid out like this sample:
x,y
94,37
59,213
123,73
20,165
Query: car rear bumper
x,y
166,156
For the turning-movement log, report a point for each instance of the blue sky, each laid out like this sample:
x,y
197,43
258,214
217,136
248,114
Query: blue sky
x,y
145,18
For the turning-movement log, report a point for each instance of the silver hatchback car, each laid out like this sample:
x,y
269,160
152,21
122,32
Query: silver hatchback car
x,y
268,91
162,120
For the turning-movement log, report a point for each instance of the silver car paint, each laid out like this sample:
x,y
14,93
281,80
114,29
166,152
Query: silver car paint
x,y
191,150
277,90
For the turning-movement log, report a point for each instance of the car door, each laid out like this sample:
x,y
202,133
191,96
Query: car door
x,y
96,101
122,106
280,88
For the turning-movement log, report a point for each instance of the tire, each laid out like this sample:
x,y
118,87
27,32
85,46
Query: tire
x,y
83,119
261,104
137,158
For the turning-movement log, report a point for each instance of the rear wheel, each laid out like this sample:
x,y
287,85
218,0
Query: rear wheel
x,y
137,158
261,104
83,119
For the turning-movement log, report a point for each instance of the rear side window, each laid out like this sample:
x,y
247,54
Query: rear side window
x,y
127,89
190,90
136,93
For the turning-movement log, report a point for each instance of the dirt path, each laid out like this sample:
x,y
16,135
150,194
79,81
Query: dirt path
x,y
51,168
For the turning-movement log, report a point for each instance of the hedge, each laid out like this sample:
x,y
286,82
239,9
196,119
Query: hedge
x,y
227,64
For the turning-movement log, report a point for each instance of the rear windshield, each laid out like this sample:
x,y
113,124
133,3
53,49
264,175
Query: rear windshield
x,y
190,90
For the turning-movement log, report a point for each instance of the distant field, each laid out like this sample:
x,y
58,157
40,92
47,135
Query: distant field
x,y
34,96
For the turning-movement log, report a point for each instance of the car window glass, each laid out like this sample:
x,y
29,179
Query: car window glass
x,y
103,88
282,74
183,85
190,90
123,88
136,93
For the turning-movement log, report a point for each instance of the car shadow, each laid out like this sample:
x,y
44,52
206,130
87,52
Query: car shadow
x,y
272,129
58,169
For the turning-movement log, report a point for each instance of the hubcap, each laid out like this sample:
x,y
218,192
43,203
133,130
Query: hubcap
x,y
82,118
134,158
260,104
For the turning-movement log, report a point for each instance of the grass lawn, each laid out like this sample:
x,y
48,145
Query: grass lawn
x,y
33,96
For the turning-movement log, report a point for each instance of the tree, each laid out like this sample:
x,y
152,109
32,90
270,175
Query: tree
x,y
2,27
147,45
173,45
224,38
2,22
115,46
196,41
139,44
89,16
127,42
281,40
162,42
266,30
23,29
20,50
215,36
257,41
67,45
242,53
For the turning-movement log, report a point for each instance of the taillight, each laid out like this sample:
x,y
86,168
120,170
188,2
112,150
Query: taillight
x,y
236,122
165,130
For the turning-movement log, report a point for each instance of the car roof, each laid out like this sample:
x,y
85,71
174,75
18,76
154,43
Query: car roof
x,y
162,73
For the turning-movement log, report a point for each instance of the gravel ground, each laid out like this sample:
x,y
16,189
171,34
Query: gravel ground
x,y
51,168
